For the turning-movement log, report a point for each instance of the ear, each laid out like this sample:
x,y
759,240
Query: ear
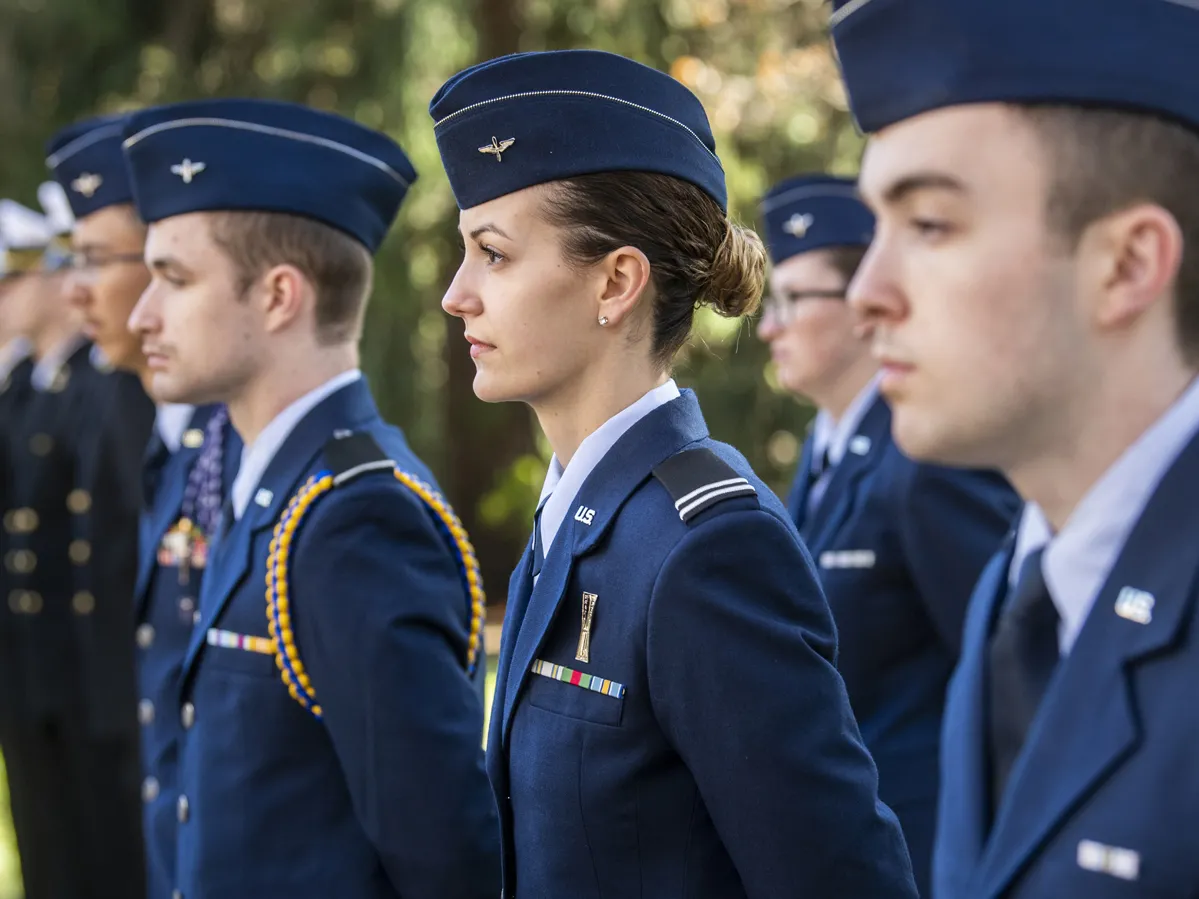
x,y
625,273
1138,252
285,293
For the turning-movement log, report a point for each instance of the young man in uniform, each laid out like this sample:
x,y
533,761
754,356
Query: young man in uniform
x,y
188,466
1033,291
330,704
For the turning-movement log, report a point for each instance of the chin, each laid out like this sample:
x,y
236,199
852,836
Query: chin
x,y
491,389
166,388
935,440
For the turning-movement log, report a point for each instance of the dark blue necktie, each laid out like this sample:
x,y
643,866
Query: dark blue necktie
x,y
1021,659
538,554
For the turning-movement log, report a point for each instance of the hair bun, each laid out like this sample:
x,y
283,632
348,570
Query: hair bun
x,y
737,277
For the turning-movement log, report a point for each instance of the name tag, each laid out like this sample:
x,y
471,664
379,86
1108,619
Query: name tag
x,y
1122,863
847,558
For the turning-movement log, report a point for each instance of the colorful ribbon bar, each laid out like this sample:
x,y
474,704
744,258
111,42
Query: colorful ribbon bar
x,y
578,678
230,640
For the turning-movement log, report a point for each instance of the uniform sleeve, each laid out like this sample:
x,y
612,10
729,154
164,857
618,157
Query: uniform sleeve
x,y
739,647
951,523
377,607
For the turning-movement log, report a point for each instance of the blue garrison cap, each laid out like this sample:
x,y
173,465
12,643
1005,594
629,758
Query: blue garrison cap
x,y
266,156
530,118
901,58
812,212
86,159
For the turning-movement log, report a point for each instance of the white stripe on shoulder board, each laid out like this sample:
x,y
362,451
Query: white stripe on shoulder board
x,y
744,489
704,489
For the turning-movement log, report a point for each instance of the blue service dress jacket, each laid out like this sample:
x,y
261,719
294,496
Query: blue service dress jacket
x,y
696,741
384,795
900,546
1102,801
166,607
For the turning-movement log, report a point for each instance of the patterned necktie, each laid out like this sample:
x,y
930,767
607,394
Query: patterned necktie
x,y
1021,660
205,488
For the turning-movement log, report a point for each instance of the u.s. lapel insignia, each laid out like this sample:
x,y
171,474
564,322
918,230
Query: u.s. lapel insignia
x,y
497,148
584,651
87,184
187,170
263,497
797,226
860,445
1135,605
193,438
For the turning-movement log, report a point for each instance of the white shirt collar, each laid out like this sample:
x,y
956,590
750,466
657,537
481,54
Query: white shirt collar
x,y
171,420
47,368
1080,557
13,354
562,486
256,457
835,435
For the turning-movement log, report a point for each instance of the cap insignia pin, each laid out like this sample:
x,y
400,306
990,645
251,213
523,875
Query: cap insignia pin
x,y
497,147
187,170
87,184
798,225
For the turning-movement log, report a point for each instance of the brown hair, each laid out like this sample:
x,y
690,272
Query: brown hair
x,y
339,267
1106,160
845,260
696,255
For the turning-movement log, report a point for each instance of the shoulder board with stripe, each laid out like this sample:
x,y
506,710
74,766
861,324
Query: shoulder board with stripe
x,y
699,479
349,455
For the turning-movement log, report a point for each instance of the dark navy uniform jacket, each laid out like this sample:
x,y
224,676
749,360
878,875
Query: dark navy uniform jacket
x,y
706,748
386,794
900,546
1103,800
166,609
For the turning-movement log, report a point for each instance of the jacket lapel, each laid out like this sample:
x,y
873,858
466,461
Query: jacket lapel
x,y
965,779
167,504
349,408
652,440
1089,722
863,453
797,500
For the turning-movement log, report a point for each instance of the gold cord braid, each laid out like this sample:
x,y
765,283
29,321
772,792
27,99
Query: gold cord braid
x,y
278,612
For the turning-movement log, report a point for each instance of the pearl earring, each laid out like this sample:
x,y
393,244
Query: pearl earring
x,y
603,320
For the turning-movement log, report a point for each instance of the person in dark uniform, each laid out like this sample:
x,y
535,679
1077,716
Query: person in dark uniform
x,y
44,453
16,366
189,464
1033,290
668,720
330,693
899,544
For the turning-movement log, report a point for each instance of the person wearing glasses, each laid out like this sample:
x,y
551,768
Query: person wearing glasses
x,y
898,545
187,468
667,720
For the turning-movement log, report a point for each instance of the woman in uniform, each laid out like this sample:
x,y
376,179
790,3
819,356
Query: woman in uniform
x,y
898,545
667,721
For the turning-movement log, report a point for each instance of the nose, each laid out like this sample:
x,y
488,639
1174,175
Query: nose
x,y
769,326
78,291
144,318
461,299
874,293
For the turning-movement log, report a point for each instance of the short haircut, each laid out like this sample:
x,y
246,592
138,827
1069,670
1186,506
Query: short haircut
x,y
340,268
1106,160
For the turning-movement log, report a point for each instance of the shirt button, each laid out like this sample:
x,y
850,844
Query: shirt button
x,y
149,789
195,617
176,894
145,636
187,605
188,715
145,712
183,810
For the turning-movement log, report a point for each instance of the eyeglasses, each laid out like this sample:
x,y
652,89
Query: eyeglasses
x,y
783,308
87,267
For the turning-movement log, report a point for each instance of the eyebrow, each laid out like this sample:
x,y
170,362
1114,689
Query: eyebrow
x,y
490,226
161,263
910,184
